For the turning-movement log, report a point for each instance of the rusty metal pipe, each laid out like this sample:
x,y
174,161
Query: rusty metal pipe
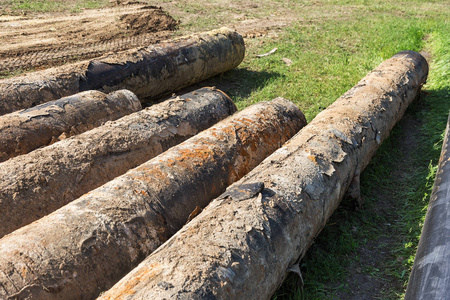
x,y
245,242
35,184
29,129
148,72
89,244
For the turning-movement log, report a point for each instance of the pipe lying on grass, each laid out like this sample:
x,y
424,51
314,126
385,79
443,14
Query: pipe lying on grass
x,y
430,275
148,72
242,245
29,129
37,183
89,244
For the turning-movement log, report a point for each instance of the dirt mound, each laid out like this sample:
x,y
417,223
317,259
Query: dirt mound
x,y
53,40
152,20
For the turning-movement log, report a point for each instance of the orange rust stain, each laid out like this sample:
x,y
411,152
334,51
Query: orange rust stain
x,y
151,174
258,141
195,213
144,193
23,272
200,153
246,120
214,133
128,288
185,158
266,138
254,136
217,133
227,131
170,162
313,158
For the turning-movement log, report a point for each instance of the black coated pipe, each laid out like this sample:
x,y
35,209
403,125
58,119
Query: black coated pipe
x,y
430,276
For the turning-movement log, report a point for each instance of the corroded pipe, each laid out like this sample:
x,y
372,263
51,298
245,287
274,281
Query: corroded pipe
x,y
148,72
243,244
29,129
89,244
35,184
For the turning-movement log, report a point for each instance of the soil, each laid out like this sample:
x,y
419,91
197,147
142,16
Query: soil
x,y
377,253
34,41
37,41
45,40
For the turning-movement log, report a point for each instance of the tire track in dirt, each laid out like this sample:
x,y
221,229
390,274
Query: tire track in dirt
x,y
49,41
57,56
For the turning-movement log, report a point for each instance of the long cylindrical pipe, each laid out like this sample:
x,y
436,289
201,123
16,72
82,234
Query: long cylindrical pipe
x,y
430,275
243,244
35,184
89,244
148,72
29,129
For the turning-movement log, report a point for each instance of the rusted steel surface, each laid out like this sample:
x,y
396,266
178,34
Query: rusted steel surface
x,y
430,275
37,183
243,244
89,244
26,130
148,72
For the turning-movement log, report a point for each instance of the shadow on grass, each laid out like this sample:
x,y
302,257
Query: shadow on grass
x,y
237,83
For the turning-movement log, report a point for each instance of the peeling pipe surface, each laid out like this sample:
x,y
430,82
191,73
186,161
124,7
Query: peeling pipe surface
x,y
29,129
35,184
89,244
148,72
245,242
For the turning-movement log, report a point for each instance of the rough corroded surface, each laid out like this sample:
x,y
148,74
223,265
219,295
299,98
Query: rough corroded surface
x,y
86,246
148,72
37,183
26,130
243,243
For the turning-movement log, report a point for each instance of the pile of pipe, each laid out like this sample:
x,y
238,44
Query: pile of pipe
x,y
184,199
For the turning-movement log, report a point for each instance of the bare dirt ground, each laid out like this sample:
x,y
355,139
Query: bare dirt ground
x,y
44,40
36,41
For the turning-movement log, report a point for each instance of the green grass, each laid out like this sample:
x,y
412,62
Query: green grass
x,y
328,59
43,6
330,53
335,251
